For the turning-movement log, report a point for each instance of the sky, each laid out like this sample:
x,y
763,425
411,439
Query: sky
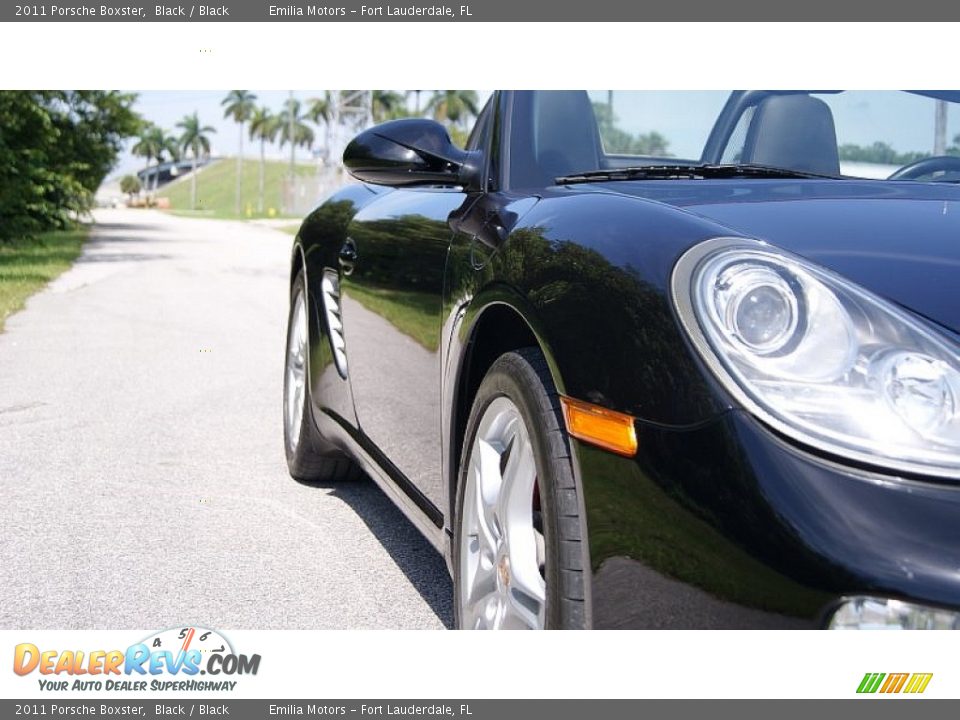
x,y
684,117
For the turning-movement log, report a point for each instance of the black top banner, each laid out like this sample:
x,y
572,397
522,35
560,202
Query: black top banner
x,y
490,11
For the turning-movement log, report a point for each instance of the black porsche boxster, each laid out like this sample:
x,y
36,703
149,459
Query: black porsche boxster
x,y
650,360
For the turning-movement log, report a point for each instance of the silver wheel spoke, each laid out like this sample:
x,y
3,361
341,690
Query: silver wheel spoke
x,y
516,495
489,487
482,573
490,611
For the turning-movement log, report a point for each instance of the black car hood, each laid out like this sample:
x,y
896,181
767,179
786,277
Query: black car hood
x,y
899,239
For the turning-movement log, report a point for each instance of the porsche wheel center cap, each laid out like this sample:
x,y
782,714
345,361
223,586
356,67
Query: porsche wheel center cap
x,y
503,571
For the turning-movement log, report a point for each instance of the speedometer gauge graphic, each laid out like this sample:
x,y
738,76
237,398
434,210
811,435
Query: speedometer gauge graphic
x,y
183,639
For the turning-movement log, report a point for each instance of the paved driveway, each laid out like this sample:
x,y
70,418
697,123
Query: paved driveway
x,y
142,480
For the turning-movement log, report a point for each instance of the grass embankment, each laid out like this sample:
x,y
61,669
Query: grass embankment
x,y
217,189
27,265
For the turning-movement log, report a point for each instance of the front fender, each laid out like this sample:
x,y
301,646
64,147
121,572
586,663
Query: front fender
x,y
591,276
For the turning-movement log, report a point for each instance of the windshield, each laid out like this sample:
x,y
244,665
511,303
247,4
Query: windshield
x,y
862,134
667,124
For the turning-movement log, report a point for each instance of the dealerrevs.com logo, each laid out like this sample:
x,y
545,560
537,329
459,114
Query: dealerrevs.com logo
x,y
182,653
910,683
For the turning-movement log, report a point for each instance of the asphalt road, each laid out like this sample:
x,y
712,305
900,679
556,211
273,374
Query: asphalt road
x,y
142,479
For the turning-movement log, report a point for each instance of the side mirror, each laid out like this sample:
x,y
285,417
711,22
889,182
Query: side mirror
x,y
409,152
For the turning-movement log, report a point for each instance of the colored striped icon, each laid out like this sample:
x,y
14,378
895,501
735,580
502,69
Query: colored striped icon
x,y
913,683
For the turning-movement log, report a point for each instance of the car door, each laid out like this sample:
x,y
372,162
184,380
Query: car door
x,y
393,267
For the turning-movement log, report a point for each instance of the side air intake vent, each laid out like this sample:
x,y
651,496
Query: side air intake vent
x,y
330,287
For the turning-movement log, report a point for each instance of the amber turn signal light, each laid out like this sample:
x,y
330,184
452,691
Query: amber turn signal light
x,y
599,426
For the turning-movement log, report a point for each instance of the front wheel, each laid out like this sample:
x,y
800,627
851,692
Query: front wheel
x,y
517,540
307,458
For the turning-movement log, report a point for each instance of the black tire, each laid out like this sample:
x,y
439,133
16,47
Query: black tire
x,y
524,378
309,457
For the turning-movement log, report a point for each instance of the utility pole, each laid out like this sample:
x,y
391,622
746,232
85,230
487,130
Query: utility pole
x,y
328,130
940,128
291,194
291,126
239,169
335,150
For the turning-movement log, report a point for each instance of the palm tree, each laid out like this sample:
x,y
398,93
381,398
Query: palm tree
x,y
292,128
454,106
238,104
150,146
320,111
416,104
387,105
194,138
263,127
171,146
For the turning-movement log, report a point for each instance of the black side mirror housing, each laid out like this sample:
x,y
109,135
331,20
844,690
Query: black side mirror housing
x,y
411,152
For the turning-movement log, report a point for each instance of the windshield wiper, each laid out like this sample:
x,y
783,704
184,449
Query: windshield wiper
x,y
687,172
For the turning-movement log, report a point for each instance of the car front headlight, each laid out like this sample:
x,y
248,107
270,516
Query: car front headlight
x,y
821,359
